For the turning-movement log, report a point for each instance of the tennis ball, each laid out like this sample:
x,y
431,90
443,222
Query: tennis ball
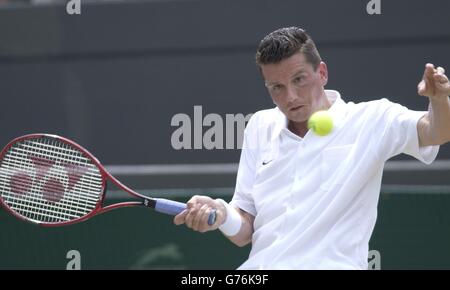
x,y
321,123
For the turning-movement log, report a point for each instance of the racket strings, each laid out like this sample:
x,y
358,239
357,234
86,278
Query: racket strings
x,y
33,197
46,180
59,174
23,182
51,186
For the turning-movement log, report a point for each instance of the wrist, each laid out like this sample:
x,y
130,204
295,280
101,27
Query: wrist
x,y
439,100
232,221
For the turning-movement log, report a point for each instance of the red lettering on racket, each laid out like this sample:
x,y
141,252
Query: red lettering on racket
x,y
42,166
53,190
75,172
20,182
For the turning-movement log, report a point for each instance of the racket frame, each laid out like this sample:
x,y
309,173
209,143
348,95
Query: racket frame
x,y
105,175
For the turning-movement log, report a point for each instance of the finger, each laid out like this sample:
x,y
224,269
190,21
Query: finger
x,y
421,88
179,219
220,217
429,71
192,202
204,220
440,71
197,222
202,225
427,80
440,75
440,78
428,75
190,216
443,88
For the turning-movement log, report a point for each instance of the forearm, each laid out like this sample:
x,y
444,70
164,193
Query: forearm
x,y
435,127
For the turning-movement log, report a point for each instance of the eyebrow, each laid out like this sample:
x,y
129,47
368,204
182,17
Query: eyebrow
x,y
300,71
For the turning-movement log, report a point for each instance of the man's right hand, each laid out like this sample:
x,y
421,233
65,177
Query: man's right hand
x,y
195,216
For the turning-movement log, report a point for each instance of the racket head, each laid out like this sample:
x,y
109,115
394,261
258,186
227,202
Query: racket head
x,y
50,180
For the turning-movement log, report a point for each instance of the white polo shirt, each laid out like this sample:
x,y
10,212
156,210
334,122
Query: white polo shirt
x,y
315,198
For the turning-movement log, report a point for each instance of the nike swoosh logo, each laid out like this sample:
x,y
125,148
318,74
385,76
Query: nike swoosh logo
x,y
266,162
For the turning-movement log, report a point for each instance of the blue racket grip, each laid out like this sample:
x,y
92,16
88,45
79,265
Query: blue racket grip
x,y
174,207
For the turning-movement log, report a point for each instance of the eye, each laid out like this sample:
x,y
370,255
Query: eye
x,y
298,80
274,89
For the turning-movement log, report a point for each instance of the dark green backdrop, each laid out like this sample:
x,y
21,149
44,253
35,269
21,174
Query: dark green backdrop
x,y
412,232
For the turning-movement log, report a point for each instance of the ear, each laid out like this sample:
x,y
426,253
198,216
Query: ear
x,y
323,71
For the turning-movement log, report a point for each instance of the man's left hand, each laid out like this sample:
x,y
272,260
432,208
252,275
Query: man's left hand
x,y
435,83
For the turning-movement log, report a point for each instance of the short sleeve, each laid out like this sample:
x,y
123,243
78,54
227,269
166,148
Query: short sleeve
x,y
242,197
399,127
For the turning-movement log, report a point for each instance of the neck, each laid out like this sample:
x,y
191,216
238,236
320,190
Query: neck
x,y
298,128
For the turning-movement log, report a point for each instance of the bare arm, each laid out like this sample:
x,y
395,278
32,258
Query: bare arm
x,y
197,213
434,127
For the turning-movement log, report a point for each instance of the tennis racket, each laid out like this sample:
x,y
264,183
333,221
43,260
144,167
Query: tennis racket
x,y
52,181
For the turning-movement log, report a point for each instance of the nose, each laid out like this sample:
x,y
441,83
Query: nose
x,y
291,95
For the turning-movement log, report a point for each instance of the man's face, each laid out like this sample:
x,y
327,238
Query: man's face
x,y
295,87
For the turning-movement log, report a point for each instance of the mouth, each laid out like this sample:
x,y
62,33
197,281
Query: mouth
x,y
296,108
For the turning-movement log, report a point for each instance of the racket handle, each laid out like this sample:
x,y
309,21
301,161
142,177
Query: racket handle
x,y
174,207
212,217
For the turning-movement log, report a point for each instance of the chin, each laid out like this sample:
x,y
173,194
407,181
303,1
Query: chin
x,y
299,117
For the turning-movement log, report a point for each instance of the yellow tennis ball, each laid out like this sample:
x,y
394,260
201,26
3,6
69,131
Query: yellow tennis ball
x,y
321,123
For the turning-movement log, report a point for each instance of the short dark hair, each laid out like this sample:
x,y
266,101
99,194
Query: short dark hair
x,y
285,42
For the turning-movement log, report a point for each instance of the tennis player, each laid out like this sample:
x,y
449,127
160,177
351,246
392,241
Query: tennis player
x,y
310,202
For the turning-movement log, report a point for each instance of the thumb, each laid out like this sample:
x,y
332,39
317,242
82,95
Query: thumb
x,y
179,219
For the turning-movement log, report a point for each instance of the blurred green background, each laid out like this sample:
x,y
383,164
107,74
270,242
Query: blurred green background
x,y
412,232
